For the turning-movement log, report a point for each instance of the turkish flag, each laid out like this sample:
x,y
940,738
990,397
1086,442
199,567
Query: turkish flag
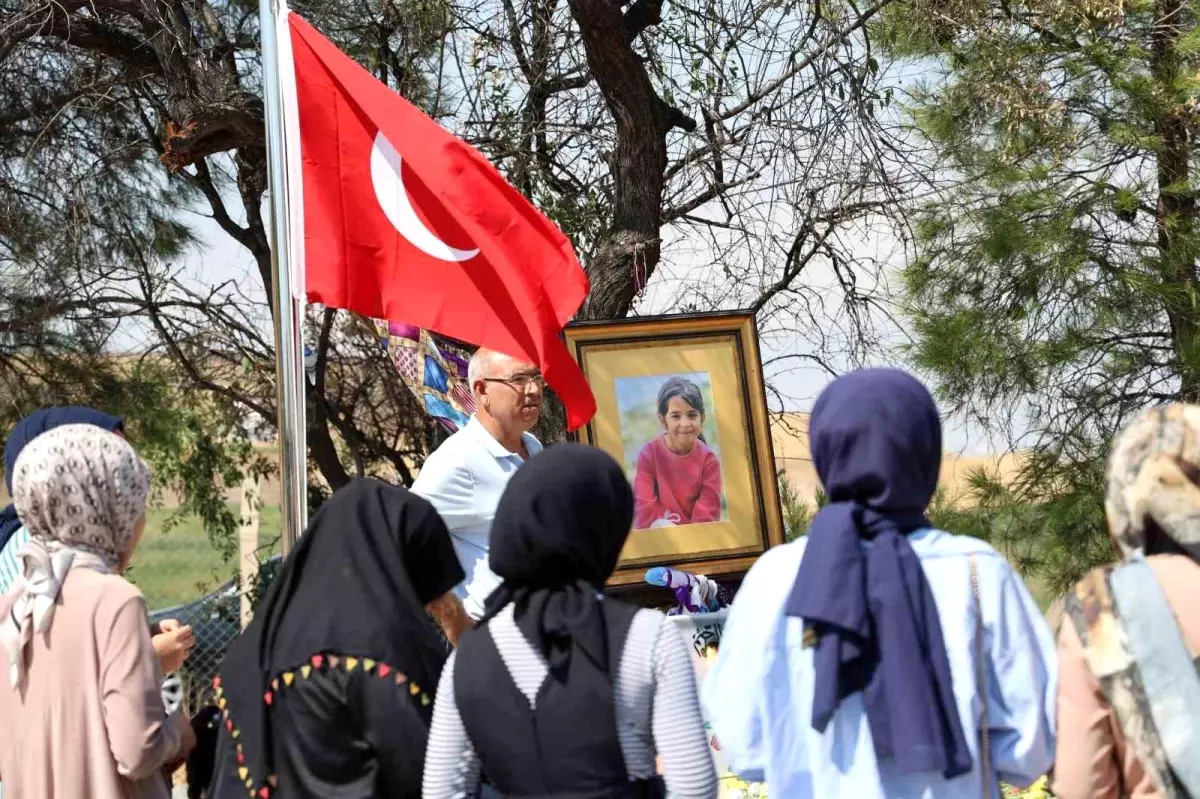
x,y
404,221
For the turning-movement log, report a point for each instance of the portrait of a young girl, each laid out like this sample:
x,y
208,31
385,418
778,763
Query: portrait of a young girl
x,y
678,478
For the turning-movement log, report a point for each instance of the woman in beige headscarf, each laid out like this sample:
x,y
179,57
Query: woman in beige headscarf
x,y
1129,694
80,701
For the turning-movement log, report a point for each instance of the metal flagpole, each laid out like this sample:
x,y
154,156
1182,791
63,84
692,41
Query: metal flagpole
x,y
287,260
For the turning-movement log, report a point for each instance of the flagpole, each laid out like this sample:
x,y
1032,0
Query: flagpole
x,y
286,290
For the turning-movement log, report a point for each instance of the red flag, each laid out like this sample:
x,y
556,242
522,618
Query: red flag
x,y
403,221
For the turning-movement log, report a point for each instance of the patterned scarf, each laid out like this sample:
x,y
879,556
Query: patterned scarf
x,y
1154,476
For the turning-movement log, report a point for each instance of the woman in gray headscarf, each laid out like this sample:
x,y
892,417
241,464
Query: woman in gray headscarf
x,y
83,679
1128,690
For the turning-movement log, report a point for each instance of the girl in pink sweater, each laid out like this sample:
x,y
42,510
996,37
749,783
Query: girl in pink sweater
x,y
678,478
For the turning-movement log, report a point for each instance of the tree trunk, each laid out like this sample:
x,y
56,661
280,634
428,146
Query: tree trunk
x,y
320,442
628,255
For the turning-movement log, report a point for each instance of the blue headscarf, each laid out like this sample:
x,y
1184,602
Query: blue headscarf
x,y
876,442
30,428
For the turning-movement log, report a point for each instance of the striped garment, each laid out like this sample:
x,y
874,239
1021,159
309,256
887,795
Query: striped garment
x,y
10,567
656,707
10,564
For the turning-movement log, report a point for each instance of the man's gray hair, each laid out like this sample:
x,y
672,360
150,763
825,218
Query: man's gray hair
x,y
480,366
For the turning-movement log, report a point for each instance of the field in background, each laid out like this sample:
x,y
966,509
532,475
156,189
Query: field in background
x,y
179,565
789,438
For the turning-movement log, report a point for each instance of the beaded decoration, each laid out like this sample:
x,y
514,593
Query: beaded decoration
x,y
318,664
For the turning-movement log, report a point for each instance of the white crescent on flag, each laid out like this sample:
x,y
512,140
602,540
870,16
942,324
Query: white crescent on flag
x,y
397,207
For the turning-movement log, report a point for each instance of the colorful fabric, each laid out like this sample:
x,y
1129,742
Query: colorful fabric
x,y
434,369
694,593
1101,624
1151,477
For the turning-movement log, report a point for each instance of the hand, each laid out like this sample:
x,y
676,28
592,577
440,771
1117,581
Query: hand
x,y
169,625
451,615
173,644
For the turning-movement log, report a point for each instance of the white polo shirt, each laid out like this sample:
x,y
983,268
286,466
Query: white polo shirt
x,y
463,479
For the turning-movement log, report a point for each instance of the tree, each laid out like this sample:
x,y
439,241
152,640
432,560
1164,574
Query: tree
x,y
744,146
750,132
1054,293
108,144
797,515
194,444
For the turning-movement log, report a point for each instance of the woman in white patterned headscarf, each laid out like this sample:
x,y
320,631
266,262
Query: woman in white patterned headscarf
x,y
75,633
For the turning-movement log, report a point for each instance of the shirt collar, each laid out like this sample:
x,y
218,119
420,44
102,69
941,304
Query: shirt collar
x,y
494,447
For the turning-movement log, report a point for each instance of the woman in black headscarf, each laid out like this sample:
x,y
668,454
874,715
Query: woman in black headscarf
x,y
561,692
329,690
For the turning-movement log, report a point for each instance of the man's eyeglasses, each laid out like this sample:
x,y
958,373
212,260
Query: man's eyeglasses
x,y
519,382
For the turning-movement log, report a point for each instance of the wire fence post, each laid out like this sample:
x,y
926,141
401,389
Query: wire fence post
x,y
248,540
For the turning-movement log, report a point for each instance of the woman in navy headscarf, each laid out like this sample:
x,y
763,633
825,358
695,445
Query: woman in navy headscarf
x,y
879,657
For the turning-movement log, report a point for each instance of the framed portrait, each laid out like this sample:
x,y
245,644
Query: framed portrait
x,y
680,404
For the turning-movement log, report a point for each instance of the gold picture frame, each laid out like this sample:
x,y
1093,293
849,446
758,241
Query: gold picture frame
x,y
628,365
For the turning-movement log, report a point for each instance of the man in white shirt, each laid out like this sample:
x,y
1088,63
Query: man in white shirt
x,y
466,475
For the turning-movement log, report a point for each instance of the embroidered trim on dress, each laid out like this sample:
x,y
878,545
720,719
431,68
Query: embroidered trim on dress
x,y
318,663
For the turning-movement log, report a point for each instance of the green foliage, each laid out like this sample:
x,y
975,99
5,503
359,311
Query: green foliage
x,y
97,207
197,449
113,143
194,442
176,563
395,41
1054,292
797,515
797,512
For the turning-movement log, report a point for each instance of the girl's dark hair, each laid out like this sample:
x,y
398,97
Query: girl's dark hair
x,y
679,387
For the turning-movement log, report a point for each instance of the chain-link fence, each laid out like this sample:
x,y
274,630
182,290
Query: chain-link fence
x,y
215,622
